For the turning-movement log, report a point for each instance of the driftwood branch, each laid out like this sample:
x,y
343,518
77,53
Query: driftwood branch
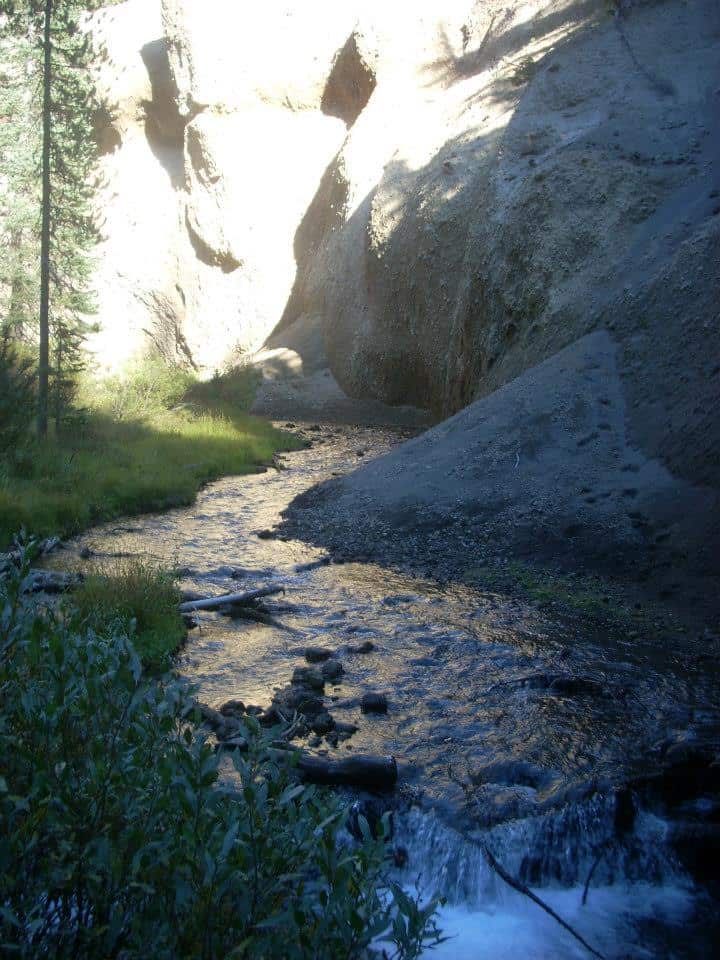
x,y
593,868
521,888
50,581
229,600
375,773
14,556
370,773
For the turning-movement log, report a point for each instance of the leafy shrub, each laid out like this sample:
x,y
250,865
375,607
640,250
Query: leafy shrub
x,y
17,394
117,838
139,599
146,388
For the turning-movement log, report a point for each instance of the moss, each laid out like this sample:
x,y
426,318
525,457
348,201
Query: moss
x,y
588,595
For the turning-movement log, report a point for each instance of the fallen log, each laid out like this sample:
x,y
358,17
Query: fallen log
x,y
14,556
373,773
229,600
368,773
48,581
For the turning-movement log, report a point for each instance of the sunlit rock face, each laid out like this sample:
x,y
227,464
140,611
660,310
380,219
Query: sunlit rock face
x,y
431,201
522,175
215,137
141,164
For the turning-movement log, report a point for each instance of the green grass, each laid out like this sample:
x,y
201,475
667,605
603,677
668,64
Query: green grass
x,y
588,595
137,599
130,454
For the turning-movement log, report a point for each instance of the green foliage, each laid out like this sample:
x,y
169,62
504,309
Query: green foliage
x,y
234,389
145,388
50,100
117,838
19,190
135,598
17,394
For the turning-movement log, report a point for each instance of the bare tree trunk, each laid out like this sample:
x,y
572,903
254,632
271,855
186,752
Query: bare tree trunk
x,y
44,351
15,313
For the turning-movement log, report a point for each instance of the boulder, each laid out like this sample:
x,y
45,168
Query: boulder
x,y
374,703
308,677
317,654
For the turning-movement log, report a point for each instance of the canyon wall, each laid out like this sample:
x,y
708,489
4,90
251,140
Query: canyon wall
x,y
214,140
430,199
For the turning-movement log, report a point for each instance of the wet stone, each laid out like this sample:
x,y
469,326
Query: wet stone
x,y
308,677
367,646
345,730
233,708
332,671
317,654
271,718
374,703
213,718
298,699
322,723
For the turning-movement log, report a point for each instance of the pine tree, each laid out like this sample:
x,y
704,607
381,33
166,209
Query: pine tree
x,y
19,192
59,58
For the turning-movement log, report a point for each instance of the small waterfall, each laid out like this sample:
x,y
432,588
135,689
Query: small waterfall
x,y
637,885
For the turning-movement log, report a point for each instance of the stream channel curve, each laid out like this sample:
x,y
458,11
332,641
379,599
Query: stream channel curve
x,y
497,741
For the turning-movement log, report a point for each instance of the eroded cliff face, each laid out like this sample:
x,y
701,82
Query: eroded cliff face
x,y
431,199
215,138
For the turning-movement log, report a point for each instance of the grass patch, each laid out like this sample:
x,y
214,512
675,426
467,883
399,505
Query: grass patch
x,y
138,600
225,393
587,595
148,448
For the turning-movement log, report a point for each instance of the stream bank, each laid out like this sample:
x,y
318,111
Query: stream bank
x,y
551,738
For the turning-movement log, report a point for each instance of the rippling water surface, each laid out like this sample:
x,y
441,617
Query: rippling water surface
x,y
484,727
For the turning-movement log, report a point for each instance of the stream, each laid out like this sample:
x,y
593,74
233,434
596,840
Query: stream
x,y
535,736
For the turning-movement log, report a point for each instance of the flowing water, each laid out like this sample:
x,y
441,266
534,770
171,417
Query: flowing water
x,y
512,731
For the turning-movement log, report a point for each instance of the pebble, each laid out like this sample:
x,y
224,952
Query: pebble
x,y
308,677
366,647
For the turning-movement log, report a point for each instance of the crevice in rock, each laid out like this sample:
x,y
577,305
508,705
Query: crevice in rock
x,y
164,125
325,213
205,253
350,85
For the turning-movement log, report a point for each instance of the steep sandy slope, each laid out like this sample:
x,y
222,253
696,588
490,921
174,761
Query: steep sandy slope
x,y
545,470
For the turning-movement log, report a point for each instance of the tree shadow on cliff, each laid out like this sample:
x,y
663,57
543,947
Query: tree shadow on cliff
x,y
164,127
502,41
402,198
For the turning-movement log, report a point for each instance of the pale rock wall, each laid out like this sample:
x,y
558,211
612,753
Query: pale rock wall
x,y
214,141
430,198
137,275
531,173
